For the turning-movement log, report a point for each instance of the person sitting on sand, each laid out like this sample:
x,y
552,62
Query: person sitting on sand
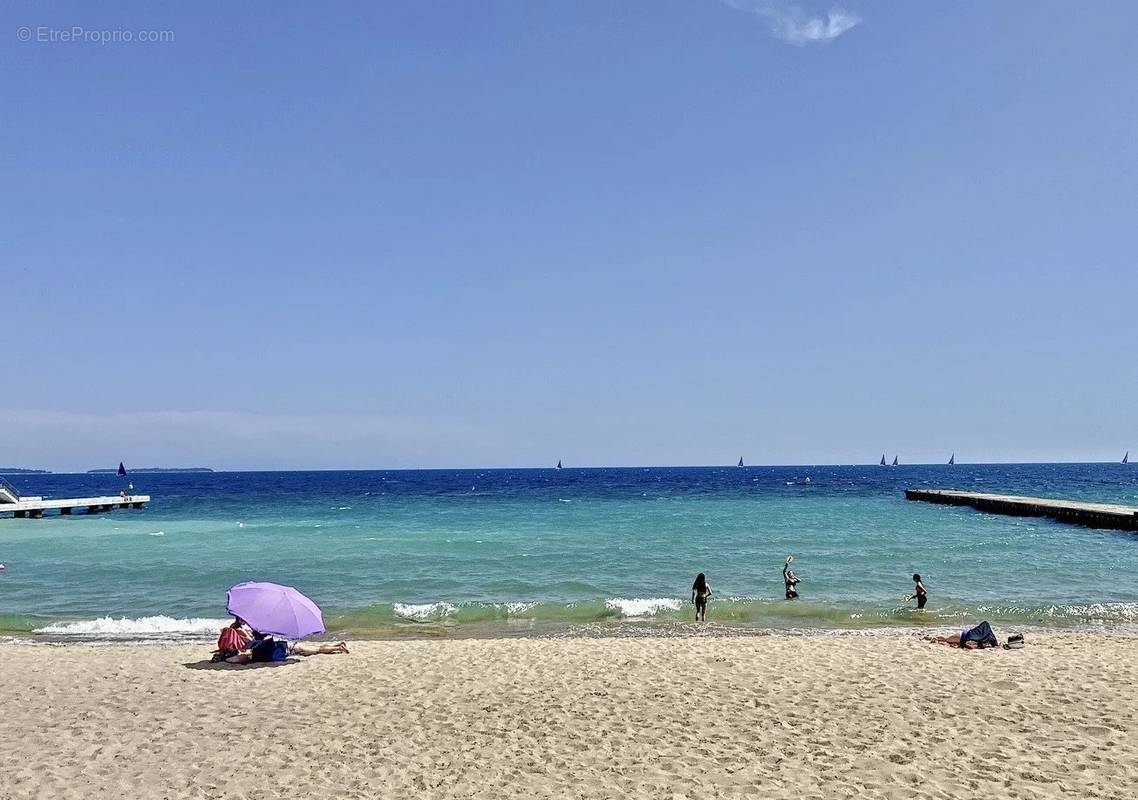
x,y
790,580
919,593
234,636
700,591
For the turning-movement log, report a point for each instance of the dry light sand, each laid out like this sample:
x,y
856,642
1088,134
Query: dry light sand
x,y
762,716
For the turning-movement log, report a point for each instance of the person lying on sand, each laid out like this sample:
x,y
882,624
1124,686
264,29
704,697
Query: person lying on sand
x,y
266,648
309,649
978,638
955,640
259,654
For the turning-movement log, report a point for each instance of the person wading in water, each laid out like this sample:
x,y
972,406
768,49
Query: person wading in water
x,y
919,592
700,591
790,580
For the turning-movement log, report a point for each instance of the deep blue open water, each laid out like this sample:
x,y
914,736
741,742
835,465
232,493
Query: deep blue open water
x,y
500,551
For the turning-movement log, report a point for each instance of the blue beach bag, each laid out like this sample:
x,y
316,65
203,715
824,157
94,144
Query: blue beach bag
x,y
982,635
269,650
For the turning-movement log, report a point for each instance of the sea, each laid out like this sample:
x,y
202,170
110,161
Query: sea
x,y
547,552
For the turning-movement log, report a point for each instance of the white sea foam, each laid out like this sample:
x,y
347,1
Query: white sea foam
x,y
157,533
124,627
424,611
641,606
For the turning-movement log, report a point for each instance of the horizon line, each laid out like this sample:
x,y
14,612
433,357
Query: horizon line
x,y
206,470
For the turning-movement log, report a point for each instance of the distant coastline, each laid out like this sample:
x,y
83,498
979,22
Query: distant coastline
x,y
22,471
150,469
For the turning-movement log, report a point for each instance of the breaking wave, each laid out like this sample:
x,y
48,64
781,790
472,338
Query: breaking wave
x,y
158,627
443,617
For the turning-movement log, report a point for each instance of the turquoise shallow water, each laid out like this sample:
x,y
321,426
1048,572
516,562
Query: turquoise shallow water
x,y
452,552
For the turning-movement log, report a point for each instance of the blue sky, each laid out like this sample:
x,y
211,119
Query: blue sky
x,y
503,233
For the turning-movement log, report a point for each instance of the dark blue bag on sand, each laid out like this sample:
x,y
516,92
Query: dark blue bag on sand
x,y
269,650
982,635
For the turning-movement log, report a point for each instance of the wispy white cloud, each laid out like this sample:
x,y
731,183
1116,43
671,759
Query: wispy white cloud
x,y
794,26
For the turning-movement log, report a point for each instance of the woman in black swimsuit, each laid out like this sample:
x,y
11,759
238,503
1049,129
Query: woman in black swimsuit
x,y
919,592
790,580
700,591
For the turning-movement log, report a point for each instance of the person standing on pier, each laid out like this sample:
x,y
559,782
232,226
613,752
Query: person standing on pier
x,y
919,592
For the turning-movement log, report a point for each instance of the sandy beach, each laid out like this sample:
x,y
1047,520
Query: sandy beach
x,y
758,716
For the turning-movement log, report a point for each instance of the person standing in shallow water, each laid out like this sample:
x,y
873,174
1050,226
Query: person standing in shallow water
x,y
700,591
919,592
790,580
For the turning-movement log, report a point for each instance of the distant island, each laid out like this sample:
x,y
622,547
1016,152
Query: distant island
x,y
149,469
21,471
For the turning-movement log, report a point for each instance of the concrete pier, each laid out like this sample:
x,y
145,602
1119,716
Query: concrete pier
x,y
35,506
1090,515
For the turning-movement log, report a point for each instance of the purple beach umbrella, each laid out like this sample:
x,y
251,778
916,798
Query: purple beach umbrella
x,y
274,609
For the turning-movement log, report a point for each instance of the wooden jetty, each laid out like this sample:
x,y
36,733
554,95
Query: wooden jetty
x,y
1090,515
12,503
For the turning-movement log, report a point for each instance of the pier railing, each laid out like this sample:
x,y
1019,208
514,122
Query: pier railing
x,y
8,493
